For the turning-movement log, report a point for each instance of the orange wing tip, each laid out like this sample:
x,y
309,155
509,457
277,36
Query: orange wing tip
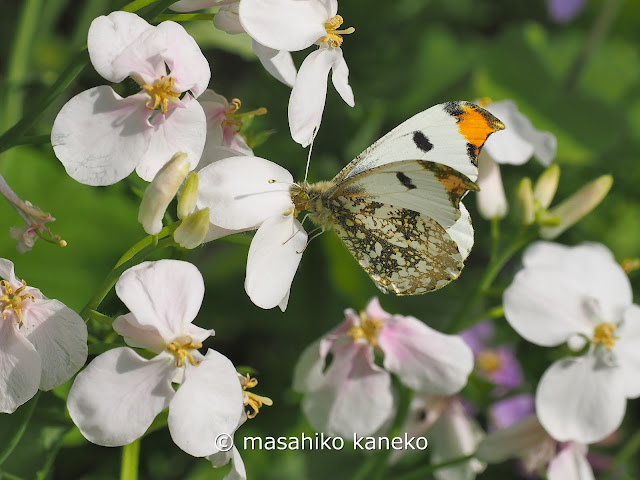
x,y
475,124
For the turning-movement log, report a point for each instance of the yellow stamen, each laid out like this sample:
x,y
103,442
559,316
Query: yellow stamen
x,y
231,117
368,329
334,36
483,102
488,361
161,93
603,334
10,300
180,348
250,399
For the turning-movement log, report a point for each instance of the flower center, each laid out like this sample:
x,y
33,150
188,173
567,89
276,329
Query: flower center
x,y
161,93
232,118
368,329
250,399
603,334
181,348
10,300
334,36
488,361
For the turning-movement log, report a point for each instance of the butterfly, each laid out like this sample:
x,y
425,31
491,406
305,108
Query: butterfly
x,y
397,206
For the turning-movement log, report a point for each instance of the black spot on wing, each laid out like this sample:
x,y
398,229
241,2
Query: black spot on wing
x,y
421,141
453,108
472,153
404,180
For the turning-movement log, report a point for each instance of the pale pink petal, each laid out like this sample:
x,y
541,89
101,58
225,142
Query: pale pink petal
x,y
240,193
7,273
274,255
514,441
424,359
309,93
373,310
570,464
581,399
627,350
227,19
285,24
192,5
356,396
308,371
491,198
138,336
100,137
166,295
340,79
207,404
20,368
182,129
114,400
60,337
108,37
277,62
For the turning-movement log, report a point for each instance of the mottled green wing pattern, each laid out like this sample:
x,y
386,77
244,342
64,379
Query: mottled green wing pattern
x,y
401,250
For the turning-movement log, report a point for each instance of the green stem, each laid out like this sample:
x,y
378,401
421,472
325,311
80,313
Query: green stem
x,y
19,60
628,451
495,237
137,5
112,277
429,469
186,17
489,276
495,312
151,240
599,31
129,465
101,318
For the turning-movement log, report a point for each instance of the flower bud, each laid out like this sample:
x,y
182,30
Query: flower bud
x,y
577,206
188,196
160,192
525,200
193,229
546,186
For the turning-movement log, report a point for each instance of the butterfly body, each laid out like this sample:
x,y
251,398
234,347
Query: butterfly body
x,y
396,209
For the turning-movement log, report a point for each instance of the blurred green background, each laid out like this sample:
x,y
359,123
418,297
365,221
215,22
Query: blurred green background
x,y
578,80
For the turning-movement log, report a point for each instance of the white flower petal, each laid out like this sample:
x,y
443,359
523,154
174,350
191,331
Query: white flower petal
x,y
519,140
277,62
309,93
99,136
570,464
108,37
114,400
461,232
581,399
207,404
227,19
627,350
138,336
340,79
239,193
274,255
60,337
491,198
285,25
7,272
424,359
356,396
20,368
166,295
238,471
516,440
182,129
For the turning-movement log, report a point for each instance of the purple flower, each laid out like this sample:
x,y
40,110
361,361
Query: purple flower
x,y
563,11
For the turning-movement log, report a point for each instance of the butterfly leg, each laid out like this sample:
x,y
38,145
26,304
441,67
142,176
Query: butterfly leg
x,y
314,235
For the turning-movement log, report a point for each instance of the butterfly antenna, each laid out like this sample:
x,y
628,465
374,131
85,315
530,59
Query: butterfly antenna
x,y
313,137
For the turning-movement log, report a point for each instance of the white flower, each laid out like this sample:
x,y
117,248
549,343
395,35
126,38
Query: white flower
x,y
100,137
42,341
527,440
514,145
292,25
277,62
579,295
115,399
244,193
352,394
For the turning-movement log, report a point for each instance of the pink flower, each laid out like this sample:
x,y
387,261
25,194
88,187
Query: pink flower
x,y
100,137
354,395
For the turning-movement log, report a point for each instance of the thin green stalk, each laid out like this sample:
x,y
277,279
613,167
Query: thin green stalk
x,y
495,237
150,240
186,17
137,5
489,276
113,276
19,61
101,318
422,473
626,453
494,312
129,465
597,34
